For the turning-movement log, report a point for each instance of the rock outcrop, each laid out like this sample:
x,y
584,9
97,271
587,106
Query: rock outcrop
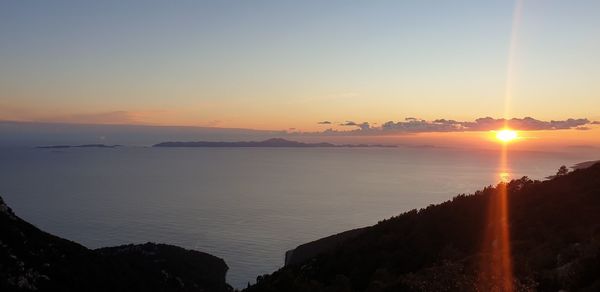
x,y
319,246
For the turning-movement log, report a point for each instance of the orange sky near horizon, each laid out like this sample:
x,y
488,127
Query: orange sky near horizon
x,y
529,140
287,66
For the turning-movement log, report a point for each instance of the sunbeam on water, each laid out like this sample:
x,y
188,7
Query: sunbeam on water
x,y
504,177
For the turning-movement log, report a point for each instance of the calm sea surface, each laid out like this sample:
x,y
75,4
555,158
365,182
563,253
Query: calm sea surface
x,y
246,205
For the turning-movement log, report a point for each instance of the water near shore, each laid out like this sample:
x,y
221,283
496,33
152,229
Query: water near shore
x,y
246,205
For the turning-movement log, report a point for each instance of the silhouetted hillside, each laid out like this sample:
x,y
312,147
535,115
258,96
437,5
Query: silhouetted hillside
x,y
555,238
314,248
275,142
33,260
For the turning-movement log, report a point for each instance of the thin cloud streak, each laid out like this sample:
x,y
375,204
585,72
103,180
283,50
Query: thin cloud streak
x,y
114,117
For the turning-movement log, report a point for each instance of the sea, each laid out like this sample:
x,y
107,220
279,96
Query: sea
x,y
245,205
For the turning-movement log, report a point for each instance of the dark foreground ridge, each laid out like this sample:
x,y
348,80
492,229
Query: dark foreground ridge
x,y
275,142
33,260
554,230
555,240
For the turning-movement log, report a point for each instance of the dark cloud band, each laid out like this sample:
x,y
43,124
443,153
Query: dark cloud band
x,y
413,125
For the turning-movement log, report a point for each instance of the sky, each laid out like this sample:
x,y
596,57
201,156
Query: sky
x,y
296,65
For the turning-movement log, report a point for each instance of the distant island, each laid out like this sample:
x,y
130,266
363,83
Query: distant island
x,y
79,146
275,142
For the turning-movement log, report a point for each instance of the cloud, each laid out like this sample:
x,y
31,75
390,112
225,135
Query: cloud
x,y
595,123
114,117
213,123
524,124
139,117
324,123
349,123
415,125
364,126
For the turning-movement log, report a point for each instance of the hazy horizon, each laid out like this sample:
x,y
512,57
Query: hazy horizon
x,y
308,67
33,134
501,96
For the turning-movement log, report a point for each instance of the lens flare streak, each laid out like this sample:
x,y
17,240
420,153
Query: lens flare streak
x,y
496,273
496,268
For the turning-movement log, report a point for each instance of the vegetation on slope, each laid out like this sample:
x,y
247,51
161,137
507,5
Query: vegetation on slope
x,y
555,240
33,260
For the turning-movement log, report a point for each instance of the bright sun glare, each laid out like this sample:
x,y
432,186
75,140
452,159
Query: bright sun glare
x,y
506,135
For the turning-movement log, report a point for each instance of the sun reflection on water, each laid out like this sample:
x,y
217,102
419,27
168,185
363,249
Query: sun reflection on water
x,y
504,176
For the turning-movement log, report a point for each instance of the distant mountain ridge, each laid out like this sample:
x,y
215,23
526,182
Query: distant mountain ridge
x,y
274,142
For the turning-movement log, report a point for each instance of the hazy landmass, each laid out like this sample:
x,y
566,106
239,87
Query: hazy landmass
x,y
33,134
585,164
79,146
275,142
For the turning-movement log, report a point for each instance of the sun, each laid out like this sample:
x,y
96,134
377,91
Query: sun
x,y
506,135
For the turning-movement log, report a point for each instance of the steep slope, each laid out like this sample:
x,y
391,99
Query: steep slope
x,y
314,248
33,260
555,239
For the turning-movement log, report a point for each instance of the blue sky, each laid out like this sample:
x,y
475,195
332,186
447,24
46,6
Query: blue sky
x,y
281,64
